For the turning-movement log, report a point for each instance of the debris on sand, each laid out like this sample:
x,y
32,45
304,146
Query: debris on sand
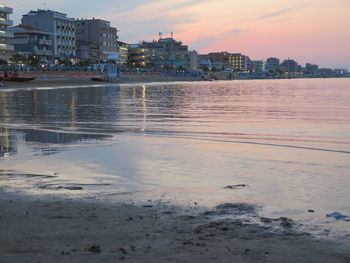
x,y
236,186
339,216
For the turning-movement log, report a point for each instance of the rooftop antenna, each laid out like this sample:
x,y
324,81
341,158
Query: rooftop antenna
x,y
172,34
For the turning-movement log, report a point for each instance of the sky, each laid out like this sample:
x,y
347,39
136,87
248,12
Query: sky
x,y
314,31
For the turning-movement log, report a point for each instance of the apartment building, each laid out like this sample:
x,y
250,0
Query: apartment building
x,y
138,56
92,33
30,41
61,27
6,49
290,66
166,53
219,60
239,62
272,64
123,53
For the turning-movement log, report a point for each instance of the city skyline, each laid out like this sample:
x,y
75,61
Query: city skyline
x,y
305,31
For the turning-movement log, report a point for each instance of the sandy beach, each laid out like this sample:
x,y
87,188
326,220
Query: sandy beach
x,y
56,229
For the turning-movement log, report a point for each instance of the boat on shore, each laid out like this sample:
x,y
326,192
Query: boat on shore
x,y
14,77
98,79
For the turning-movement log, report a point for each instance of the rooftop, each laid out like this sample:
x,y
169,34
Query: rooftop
x,y
48,11
27,29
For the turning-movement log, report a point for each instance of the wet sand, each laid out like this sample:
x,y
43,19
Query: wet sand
x,y
55,229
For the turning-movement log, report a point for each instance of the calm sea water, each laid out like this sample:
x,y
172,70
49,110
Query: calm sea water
x,y
287,141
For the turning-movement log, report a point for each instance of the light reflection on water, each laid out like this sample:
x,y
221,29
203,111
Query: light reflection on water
x,y
288,140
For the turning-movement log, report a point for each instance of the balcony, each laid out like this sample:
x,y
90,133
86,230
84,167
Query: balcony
x,y
38,52
5,34
48,53
6,22
45,42
6,47
5,9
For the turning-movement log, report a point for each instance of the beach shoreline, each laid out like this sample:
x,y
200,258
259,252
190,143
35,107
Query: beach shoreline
x,y
49,228
78,82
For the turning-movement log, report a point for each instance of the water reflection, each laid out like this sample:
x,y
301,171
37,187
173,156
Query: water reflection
x,y
53,137
296,113
7,143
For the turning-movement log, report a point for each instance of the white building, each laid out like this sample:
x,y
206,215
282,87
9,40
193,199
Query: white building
x,y
6,50
193,58
61,26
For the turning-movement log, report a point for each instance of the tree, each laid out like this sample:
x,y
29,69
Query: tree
x,y
205,68
18,59
33,61
64,61
3,62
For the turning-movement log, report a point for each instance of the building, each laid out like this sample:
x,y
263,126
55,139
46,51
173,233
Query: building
x,y
138,56
60,26
256,66
123,53
98,33
204,62
166,53
290,66
219,60
326,72
193,60
87,51
272,64
311,69
29,41
6,49
238,62
341,72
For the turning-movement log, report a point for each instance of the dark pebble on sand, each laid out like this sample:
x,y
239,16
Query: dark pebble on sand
x,y
95,249
123,250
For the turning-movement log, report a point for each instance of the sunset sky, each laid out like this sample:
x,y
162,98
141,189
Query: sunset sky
x,y
315,31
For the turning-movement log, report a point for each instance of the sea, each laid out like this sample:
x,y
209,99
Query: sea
x,y
282,145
